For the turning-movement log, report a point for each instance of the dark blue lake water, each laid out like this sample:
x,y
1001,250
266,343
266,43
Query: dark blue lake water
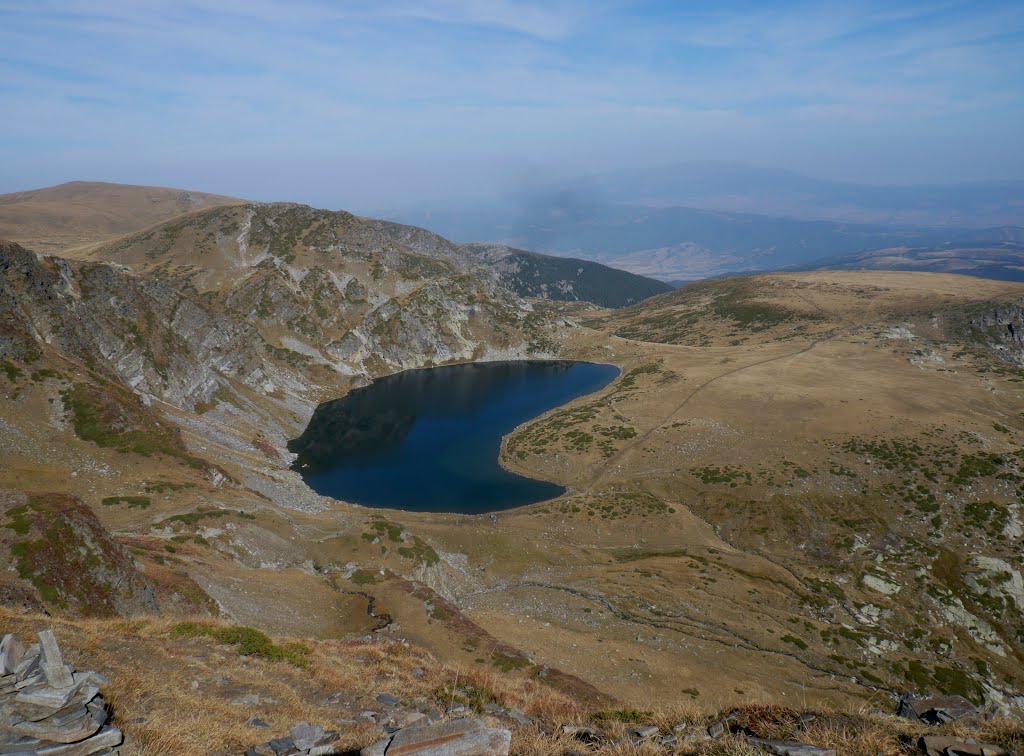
x,y
428,440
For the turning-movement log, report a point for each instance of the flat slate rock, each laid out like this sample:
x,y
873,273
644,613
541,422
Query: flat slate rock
x,y
936,709
104,740
941,745
645,732
312,739
791,748
459,737
12,651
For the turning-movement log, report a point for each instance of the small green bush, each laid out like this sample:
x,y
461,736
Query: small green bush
x,y
249,640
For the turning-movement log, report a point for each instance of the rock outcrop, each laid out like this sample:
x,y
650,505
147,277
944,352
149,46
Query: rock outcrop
x,y
46,707
457,737
303,739
59,557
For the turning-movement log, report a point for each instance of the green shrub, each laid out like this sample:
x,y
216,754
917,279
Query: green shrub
x,y
249,640
133,502
628,716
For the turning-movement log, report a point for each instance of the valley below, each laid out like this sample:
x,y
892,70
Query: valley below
x,y
802,489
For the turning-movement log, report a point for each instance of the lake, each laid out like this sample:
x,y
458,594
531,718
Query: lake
x,y
428,440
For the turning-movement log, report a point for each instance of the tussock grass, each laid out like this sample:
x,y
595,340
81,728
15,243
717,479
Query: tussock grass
x,y
172,683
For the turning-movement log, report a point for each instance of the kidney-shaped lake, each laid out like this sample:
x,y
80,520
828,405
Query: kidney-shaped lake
x,y
428,440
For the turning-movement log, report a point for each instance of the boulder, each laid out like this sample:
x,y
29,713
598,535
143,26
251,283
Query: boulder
x,y
644,732
941,745
935,710
459,737
585,734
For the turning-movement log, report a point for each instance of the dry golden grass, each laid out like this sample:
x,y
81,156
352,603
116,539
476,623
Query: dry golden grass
x,y
55,218
172,695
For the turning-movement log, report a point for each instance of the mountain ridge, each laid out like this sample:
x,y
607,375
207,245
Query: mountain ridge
x,y
57,218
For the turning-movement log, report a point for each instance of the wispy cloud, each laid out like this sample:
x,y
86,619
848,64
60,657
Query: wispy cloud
x,y
562,80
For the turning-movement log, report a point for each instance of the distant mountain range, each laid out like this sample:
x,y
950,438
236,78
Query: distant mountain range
x,y
734,187
682,243
77,218
1002,261
529,274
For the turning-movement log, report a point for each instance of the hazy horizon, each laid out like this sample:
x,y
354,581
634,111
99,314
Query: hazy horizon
x,y
372,105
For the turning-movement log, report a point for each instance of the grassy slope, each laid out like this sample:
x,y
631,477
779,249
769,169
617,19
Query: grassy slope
x,y
58,218
165,673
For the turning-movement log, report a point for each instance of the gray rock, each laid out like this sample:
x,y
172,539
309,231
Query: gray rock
x,y
941,745
585,734
258,723
10,743
419,673
93,678
51,661
461,737
935,709
12,651
107,738
281,745
669,741
790,748
694,738
29,662
411,719
41,694
645,732
387,699
249,699
306,735
378,748
520,717
716,729
72,732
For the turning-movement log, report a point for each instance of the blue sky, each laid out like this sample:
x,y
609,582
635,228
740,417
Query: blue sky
x,y
355,104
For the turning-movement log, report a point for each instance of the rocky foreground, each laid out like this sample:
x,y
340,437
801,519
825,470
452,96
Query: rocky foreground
x,y
737,732
48,708
208,687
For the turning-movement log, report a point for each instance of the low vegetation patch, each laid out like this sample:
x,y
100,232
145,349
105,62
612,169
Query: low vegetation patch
x,y
132,502
626,716
364,577
420,552
163,486
108,419
250,642
204,513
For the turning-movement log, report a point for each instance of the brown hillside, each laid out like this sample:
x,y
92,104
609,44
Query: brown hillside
x,y
58,218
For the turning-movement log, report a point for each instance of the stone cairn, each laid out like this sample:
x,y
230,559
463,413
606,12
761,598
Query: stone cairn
x,y
48,708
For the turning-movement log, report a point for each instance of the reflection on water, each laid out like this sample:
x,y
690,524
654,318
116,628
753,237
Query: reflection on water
x,y
428,440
